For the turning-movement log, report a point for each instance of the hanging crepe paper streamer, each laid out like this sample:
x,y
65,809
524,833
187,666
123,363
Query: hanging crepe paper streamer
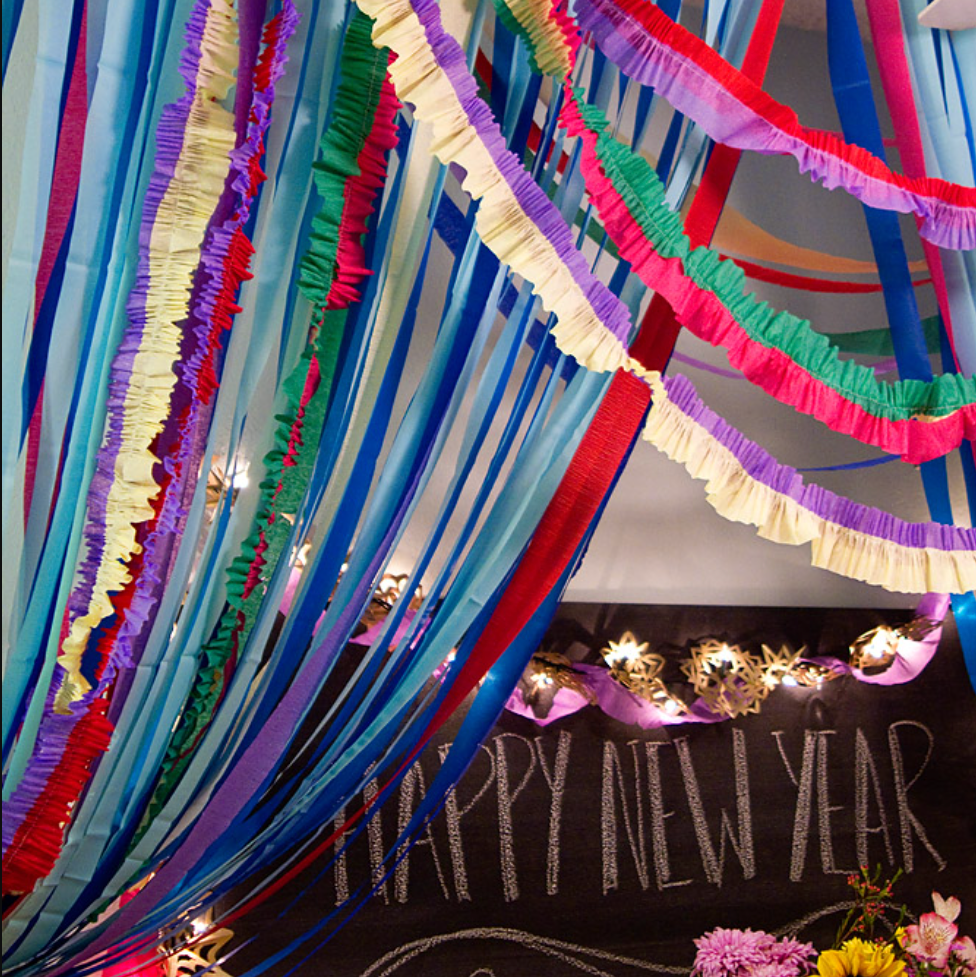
x,y
746,485
808,283
652,49
911,658
506,522
226,254
547,31
852,94
190,172
226,816
776,351
224,263
354,149
515,218
64,191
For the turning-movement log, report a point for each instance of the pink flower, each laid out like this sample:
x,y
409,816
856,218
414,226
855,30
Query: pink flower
x,y
731,953
773,969
792,955
745,953
964,950
931,939
948,909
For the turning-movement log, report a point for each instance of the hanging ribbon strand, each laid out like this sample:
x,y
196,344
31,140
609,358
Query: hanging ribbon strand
x,y
775,350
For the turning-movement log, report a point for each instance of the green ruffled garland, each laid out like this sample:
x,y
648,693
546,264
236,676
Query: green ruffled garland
x,y
875,342
638,185
363,70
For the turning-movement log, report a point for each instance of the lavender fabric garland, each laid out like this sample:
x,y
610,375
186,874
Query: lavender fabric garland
x,y
621,704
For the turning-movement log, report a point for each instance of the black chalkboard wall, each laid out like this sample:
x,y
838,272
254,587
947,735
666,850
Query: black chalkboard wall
x,y
588,846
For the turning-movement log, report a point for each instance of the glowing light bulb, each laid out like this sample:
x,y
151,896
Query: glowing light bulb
x,y
790,680
671,706
880,643
725,654
199,927
627,649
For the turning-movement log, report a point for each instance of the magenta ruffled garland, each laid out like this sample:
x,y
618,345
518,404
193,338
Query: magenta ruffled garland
x,y
652,49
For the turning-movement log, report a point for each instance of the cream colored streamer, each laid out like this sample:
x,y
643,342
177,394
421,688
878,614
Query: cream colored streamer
x,y
734,494
502,224
174,253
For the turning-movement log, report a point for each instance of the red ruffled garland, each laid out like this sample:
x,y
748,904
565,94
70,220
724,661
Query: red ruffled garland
x,y
769,368
672,35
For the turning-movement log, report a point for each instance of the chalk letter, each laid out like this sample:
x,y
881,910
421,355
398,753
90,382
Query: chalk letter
x,y
613,775
413,782
824,808
743,845
906,817
804,798
865,779
659,840
506,798
453,815
556,779
375,832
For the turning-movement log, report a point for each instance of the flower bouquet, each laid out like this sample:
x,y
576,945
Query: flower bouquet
x,y
931,947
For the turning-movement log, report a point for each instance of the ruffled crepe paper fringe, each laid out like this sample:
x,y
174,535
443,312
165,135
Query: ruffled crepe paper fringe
x,y
142,375
224,266
515,219
58,773
651,48
227,253
289,466
746,485
354,147
775,350
549,35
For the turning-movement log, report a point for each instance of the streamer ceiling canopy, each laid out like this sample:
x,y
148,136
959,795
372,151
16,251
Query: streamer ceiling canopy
x,y
273,270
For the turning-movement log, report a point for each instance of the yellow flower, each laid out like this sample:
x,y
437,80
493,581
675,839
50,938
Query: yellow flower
x,y
858,958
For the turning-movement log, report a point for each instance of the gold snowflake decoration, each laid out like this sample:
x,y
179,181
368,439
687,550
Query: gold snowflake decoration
x,y
633,666
728,679
776,665
551,670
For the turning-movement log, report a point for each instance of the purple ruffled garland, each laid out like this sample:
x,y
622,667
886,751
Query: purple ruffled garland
x,y
191,433
533,201
763,468
56,728
169,142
